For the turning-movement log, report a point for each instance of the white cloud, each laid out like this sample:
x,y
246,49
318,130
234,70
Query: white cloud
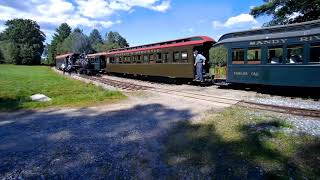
x,y
2,28
242,19
163,7
294,15
55,7
85,13
94,8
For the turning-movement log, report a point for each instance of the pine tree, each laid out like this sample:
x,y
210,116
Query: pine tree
x,y
76,42
62,32
95,37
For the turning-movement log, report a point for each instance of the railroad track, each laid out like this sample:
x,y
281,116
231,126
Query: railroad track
x,y
128,86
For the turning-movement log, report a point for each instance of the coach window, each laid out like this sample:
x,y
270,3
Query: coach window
x,y
139,59
134,59
254,56
295,54
117,60
176,56
145,59
165,57
151,58
159,58
126,60
275,55
184,56
238,56
315,53
112,60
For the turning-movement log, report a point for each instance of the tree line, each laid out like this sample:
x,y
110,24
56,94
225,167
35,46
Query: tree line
x,y
22,42
67,41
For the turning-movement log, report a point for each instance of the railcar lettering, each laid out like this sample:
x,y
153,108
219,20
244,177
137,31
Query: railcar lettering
x,y
254,74
266,42
309,38
241,73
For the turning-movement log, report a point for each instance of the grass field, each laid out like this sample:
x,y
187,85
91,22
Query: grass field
x,y
18,83
237,144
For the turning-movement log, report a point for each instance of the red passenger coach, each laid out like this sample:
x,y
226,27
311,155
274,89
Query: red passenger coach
x,y
172,59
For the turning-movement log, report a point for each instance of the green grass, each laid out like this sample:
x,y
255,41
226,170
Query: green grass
x,y
235,142
18,83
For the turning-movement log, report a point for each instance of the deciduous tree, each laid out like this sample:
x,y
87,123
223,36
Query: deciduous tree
x,y
218,56
22,42
288,11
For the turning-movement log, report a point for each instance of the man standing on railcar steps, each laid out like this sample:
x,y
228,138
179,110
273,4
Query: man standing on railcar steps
x,y
199,62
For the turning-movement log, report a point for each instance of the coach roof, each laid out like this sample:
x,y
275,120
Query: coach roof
x,y
291,30
165,44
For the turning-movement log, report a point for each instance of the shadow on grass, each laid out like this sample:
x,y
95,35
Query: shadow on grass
x,y
10,104
201,151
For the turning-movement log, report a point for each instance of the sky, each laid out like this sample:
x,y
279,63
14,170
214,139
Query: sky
x,y
139,21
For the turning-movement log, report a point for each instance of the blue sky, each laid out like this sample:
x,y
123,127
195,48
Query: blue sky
x,y
139,21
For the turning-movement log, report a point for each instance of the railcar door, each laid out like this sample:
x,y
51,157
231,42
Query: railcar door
x,y
204,50
103,62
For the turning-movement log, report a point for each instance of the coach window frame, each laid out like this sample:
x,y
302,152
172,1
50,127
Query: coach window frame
x,y
145,58
254,60
165,57
232,49
284,54
294,46
312,45
174,57
186,59
158,60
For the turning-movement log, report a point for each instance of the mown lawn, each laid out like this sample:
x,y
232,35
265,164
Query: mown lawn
x,y
237,144
18,83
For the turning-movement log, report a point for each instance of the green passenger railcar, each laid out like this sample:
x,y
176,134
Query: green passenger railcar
x,y
286,55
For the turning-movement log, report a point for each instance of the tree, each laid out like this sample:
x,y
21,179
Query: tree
x,y
95,37
288,11
1,57
101,47
22,42
116,38
77,42
110,37
78,30
10,52
62,32
218,56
